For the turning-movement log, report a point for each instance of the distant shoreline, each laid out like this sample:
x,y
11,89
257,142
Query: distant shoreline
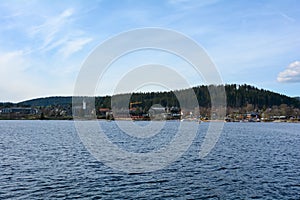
x,y
129,119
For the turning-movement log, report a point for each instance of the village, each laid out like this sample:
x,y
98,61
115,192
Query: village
x,y
156,112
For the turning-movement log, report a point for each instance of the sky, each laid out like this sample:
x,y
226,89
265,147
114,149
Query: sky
x,y
43,44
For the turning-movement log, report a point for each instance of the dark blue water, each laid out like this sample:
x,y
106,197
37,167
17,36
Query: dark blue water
x,y
46,160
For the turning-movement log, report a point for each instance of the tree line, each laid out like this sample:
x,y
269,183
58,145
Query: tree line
x,y
240,99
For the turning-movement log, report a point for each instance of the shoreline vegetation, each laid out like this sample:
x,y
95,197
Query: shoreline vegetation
x,y
245,103
130,119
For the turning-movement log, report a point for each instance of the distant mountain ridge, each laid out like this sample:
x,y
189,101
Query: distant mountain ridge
x,y
47,101
237,96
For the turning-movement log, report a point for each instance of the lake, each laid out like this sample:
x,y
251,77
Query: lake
x,y
47,160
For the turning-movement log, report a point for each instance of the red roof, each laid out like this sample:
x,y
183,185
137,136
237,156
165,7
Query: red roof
x,y
104,109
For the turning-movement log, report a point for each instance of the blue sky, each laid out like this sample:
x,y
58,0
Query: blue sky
x,y
44,43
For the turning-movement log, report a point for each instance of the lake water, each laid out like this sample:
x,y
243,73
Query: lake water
x,y
47,160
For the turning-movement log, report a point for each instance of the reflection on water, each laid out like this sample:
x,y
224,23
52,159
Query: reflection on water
x,y
46,160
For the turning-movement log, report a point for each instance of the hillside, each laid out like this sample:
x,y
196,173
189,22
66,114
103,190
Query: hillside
x,y
47,101
238,96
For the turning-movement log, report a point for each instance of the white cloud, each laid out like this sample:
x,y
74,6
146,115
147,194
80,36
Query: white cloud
x,y
287,17
58,32
15,82
36,66
21,80
49,30
73,46
291,73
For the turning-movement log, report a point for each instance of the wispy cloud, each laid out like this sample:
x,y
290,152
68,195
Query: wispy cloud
x,y
291,73
15,81
190,4
57,32
35,49
21,80
285,16
49,30
74,46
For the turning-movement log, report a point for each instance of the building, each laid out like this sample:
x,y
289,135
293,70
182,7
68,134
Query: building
x,y
19,111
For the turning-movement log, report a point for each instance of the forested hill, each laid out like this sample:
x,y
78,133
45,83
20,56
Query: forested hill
x,y
245,94
237,96
47,101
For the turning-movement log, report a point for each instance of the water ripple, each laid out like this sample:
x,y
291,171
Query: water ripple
x,y
46,160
